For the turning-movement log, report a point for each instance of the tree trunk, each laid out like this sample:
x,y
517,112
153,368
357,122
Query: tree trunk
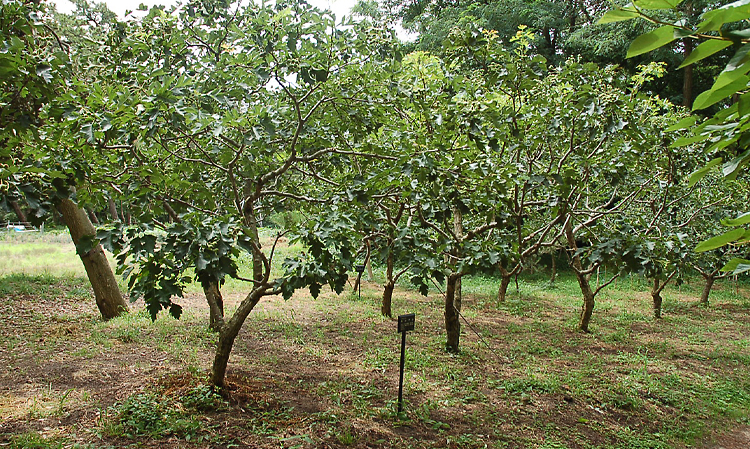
x,y
368,264
252,223
588,301
583,279
92,216
505,278
458,230
228,334
385,308
113,209
390,283
710,279
687,81
19,212
108,297
656,296
215,305
553,276
452,313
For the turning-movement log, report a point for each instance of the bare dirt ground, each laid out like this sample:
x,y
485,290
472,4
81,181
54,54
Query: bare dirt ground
x,y
323,374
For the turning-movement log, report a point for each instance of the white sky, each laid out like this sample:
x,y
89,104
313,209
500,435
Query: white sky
x,y
339,7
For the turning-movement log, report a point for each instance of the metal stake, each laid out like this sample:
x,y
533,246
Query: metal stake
x,y
401,374
405,324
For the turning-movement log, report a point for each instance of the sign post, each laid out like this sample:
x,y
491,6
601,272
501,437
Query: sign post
x,y
360,269
405,324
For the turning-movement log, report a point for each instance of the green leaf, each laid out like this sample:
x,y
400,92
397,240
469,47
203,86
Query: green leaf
x,y
315,290
736,67
739,221
705,50
711,97
45,71
618,15
737,36
88,131
737,266
320,75
85,244
685,123
733,12
720,240
651,41
731,168
689,140
657,4
701,172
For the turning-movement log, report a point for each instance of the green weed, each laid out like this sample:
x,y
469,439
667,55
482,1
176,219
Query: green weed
x,y
148,415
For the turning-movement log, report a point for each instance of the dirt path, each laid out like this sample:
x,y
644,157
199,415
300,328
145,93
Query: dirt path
x,y
739,439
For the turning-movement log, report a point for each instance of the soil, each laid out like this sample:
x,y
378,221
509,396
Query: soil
x,y
301,375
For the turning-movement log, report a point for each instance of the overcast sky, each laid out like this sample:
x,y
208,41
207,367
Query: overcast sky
x,y
339,7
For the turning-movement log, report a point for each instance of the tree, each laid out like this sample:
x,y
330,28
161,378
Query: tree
x,y
582,149
561,30
221,115
36,67
725,134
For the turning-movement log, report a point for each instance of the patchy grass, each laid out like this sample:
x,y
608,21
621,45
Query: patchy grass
x,y
324,373
50,253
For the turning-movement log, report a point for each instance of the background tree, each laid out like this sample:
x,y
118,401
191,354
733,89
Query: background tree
x,y
37,169
724,135
561,30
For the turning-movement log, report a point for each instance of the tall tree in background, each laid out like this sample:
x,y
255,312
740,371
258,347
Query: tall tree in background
x,y
562,29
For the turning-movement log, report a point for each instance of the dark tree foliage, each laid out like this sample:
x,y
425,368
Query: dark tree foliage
x,y
563,29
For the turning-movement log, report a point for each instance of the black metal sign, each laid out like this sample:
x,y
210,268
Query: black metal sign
x,y
406,322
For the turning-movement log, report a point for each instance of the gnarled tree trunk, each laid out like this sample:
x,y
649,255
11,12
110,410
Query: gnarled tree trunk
x,y
710,278
656,289
109,300
453,312
390,283
505,278
385,308
583,279
656,296
228,334
215,305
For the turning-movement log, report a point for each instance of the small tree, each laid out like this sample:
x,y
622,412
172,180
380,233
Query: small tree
x,y
222,115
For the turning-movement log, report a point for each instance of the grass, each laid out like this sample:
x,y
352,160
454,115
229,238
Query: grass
x,y
50,253
324,373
